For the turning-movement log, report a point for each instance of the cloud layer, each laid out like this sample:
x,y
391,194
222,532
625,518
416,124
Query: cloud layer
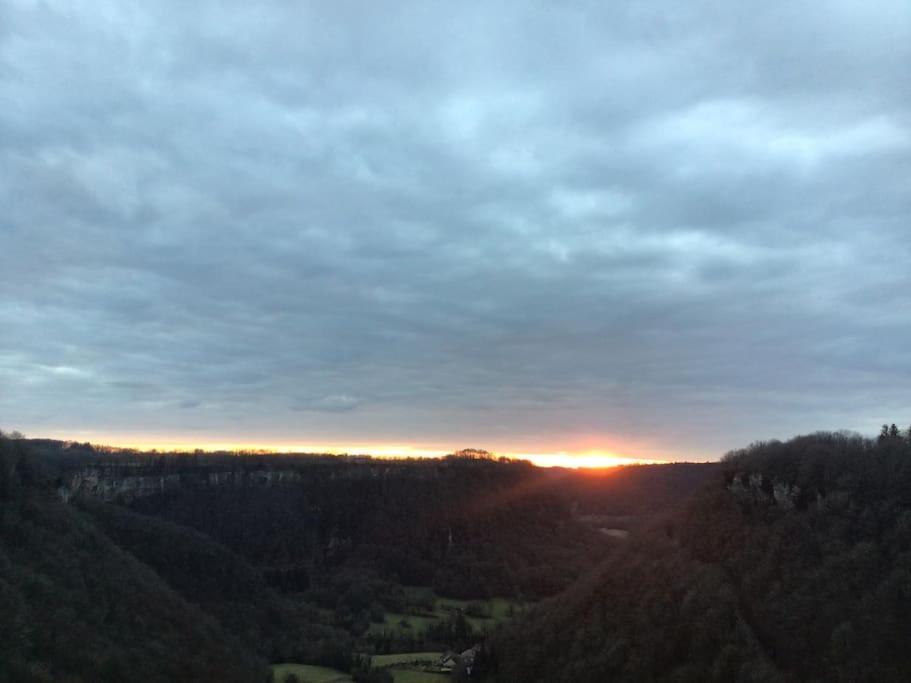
x,y
666,231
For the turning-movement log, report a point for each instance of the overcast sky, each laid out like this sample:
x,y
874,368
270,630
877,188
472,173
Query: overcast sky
x,y
660,229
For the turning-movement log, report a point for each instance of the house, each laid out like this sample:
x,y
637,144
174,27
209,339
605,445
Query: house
x,y
448,661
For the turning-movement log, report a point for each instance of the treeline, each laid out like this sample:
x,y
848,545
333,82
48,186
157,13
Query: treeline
x,y
59,457
795,565
893,433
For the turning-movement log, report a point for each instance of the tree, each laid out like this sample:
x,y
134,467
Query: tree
x,y
883,433
6,479
893,432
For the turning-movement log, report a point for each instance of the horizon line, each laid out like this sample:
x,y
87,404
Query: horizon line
x,y
582,459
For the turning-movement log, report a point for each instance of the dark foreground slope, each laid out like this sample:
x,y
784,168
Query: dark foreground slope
x,y
224,586
794,565
75,607
92,592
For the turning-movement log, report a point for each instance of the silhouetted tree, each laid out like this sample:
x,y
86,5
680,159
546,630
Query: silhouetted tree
x,y
5,473
883,433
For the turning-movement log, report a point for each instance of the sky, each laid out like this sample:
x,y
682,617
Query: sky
x,y
576,230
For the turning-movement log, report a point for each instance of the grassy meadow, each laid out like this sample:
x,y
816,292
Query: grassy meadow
x,y
426,608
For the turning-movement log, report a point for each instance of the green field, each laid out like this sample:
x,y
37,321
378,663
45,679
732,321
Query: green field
x,y
411,676
309,674
404,667
498,610
405,658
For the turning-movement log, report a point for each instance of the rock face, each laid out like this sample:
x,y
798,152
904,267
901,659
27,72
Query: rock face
x,y
119,484
125,481
756,488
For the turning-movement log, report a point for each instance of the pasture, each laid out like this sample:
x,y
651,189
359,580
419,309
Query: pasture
x,y
425,608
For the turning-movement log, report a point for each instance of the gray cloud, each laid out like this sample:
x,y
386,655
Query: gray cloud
x,y
531,226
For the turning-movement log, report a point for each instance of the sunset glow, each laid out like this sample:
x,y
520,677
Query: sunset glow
x,y
561,458
588,459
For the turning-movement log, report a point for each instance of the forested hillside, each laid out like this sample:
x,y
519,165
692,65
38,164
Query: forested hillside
x,y
471,529
240,561
76,607
794,565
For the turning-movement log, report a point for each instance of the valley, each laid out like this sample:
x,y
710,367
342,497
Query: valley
x,y
784,562
354,565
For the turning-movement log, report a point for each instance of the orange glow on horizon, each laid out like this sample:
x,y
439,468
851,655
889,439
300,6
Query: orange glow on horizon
x,y
584,460
587,459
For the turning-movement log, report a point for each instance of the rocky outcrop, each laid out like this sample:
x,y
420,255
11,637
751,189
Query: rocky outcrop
x,y
117,484
756,488
130,479
111,486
